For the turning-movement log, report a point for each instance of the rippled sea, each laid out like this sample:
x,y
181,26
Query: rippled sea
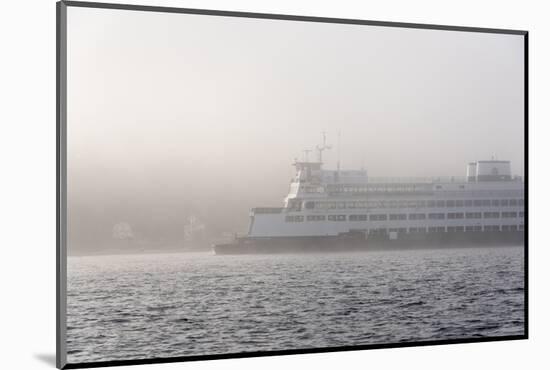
x,y
164,305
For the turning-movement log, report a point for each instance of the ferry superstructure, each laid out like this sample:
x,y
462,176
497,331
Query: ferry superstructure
x,y
332,210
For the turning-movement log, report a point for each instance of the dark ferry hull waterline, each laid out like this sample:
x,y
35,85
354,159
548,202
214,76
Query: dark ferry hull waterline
x,y
356,242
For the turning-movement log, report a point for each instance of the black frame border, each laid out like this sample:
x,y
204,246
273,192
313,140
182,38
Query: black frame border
x,y
61,181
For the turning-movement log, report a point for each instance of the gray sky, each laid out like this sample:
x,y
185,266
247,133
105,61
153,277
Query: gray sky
x,y
212,110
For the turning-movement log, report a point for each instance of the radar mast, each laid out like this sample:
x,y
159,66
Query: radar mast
x,y
322,148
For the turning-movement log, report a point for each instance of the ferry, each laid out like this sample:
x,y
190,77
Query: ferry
x,y
346,210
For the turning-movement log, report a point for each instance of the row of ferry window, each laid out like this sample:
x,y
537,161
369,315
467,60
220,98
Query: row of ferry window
x,y
440,229
403,216
383,188
418,204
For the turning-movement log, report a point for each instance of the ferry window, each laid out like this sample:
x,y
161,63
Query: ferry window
x,y
316,218
477,203
469,228
455,215
473,214
358,217
398,216
441,203
495,203
460,203
417,216
451,229
378,217
490,215
337,217
509,214
294,218
504,202
436,216
513,228
309,205
505,228
520,202
522,214
421,203
491,228
459,229
431,203
520,227
450,203
440,229
468,203
417,229
477,228
295,204
513,202
341,205
432,229
377,231
486,202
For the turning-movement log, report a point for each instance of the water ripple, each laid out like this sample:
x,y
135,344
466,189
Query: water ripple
x,y
139,306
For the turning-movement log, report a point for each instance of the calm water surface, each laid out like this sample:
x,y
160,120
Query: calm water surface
x,y
166,305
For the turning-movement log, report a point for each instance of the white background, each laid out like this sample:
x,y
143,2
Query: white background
x,y
27,203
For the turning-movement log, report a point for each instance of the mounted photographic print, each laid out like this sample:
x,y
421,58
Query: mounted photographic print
x,y
239,184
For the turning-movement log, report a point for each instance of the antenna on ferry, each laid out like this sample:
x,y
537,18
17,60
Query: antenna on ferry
x,y
338,154
306,154
321,148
